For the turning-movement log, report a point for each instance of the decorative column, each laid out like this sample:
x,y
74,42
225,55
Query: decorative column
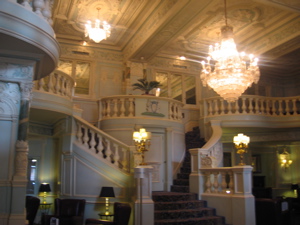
x,y
144,206
243,202
22,144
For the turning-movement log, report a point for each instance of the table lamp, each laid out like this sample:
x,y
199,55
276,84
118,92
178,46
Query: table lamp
x,y
107,192
45,187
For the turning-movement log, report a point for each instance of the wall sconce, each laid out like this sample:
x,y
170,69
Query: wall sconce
x,y
107,192
45,187
142,142
295,187
241,142
285,160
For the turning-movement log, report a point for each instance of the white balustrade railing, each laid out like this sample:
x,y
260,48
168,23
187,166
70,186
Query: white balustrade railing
x,y
127,105
43,8
103,145
58,83
218,180
253,105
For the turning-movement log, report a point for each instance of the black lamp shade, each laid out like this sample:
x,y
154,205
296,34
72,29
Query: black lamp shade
x,y
294,186
44,187
107,192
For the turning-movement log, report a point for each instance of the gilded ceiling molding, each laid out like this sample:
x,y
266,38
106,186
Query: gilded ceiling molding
x,y
73,51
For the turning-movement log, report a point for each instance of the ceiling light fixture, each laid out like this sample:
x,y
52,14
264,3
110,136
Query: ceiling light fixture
x,y
99,32
227,71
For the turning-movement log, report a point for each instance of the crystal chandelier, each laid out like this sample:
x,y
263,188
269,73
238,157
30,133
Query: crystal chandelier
x,y
227,71
99,32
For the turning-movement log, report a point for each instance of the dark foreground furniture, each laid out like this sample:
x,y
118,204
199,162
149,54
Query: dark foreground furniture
x,y
121,215
68,211
272,211
32,206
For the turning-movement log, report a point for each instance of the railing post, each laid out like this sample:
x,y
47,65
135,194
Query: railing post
x,y
144,206
243,205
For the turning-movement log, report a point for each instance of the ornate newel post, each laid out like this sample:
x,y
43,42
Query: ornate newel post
x,y
144,206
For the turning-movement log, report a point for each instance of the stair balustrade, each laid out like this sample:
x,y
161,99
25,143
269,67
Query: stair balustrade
x,y
43,8
130,106
58,83
98,143
252,105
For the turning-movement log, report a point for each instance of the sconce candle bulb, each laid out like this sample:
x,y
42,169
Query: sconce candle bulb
x,y
142,142
241,142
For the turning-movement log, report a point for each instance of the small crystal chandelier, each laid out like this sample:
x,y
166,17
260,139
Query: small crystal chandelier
x,y
227,71
99,32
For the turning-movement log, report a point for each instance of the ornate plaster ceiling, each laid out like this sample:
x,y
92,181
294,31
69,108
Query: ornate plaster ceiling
x,y
143,29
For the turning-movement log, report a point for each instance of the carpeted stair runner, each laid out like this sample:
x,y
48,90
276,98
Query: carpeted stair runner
x,y
179,207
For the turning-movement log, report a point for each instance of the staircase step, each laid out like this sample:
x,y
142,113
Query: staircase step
x,y
192,204
183,213
184,182
162,196
213,220
180,188
183,175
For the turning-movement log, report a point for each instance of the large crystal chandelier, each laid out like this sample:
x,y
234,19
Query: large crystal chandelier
x,y
227,71
99,32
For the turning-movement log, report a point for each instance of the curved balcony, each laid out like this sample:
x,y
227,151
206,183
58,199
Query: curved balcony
x,y
54,93
253,111
26,34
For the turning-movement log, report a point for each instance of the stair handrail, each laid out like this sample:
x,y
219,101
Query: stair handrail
x,y
96,141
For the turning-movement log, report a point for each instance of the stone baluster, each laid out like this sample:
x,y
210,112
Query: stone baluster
x,y
92,141
116,155
223,182
125,162
216,108
222,108
85,137
131,108
79,133
47,11
57,85
108,109
122,107
251,105
230,107
38,6
287,105
100,144
216,184
26,4
210,107
50,82
256,106
208,183
115,107
108,151
41,84
104,108
243,105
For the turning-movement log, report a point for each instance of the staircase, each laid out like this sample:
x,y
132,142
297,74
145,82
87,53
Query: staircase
x,y
179,207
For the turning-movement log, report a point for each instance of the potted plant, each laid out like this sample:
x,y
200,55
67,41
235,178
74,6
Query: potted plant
x,y
145,85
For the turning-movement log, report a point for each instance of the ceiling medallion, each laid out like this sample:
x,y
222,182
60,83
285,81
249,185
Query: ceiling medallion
x,y
100,31
228,72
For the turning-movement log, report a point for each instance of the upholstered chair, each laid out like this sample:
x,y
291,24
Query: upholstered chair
x,y
121,216
32,206
68,211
